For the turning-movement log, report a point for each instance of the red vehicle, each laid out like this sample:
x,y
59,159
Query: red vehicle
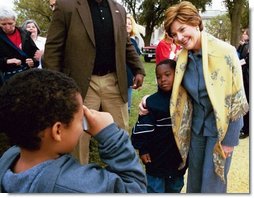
x,y
149,52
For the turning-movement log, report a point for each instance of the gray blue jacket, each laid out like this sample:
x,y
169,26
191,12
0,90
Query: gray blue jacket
x,y
123,173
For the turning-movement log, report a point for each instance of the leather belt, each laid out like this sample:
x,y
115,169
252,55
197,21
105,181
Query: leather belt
x,y
102,73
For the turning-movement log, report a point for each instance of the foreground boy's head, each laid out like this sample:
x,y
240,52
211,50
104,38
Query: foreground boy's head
x,y
35,101
165,73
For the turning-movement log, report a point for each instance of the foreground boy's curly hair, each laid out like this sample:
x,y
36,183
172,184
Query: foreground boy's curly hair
x,y
34,100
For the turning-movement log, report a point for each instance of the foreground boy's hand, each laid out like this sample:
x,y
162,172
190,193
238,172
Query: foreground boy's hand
x,y
97,120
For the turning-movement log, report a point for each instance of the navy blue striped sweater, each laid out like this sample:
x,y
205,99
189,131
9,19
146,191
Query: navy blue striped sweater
x,y
153,134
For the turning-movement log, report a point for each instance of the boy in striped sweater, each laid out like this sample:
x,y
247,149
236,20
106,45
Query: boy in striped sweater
x,y
153,137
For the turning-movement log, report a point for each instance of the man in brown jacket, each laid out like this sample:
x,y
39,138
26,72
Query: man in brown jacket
x,y
87,40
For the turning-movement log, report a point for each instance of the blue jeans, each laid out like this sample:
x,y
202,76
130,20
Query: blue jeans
x,y
129,99
164,185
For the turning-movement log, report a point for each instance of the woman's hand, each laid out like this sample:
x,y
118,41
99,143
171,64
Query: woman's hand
x,y
15,61
38,54
30,62
227,150
142,106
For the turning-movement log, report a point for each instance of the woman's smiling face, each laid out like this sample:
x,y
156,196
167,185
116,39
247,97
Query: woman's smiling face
x,y
189,37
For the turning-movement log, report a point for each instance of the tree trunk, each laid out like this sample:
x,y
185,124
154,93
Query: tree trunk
x,y
235,17
148,36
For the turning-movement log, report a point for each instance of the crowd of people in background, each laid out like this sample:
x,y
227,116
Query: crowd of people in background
x,y
17,48
88,64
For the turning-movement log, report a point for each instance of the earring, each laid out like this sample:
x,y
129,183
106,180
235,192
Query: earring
x,y
197,28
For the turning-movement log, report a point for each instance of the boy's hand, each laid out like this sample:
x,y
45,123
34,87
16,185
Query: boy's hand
x,y
146,158
97,120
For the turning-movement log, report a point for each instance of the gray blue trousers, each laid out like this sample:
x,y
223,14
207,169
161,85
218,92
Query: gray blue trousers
x,y
201,175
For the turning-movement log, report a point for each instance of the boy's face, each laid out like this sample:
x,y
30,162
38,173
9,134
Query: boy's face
x,y
73,131
165,77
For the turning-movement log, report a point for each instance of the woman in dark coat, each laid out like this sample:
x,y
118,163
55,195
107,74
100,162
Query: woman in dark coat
x,y
17,49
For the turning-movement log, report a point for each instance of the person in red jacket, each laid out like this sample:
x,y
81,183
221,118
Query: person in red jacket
x,y
17,49
166,49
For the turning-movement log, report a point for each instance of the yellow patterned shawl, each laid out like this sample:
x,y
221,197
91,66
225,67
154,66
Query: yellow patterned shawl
x,y
223,78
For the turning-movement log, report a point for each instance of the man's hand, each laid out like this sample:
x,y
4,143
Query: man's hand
x,y
138,81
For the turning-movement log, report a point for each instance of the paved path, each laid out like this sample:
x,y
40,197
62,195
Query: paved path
x,y
239,175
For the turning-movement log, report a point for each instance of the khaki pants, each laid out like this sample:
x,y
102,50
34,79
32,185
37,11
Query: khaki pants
x,y
103,94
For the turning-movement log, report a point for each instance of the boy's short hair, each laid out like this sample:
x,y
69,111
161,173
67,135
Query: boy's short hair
x,y
34,100
169,62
